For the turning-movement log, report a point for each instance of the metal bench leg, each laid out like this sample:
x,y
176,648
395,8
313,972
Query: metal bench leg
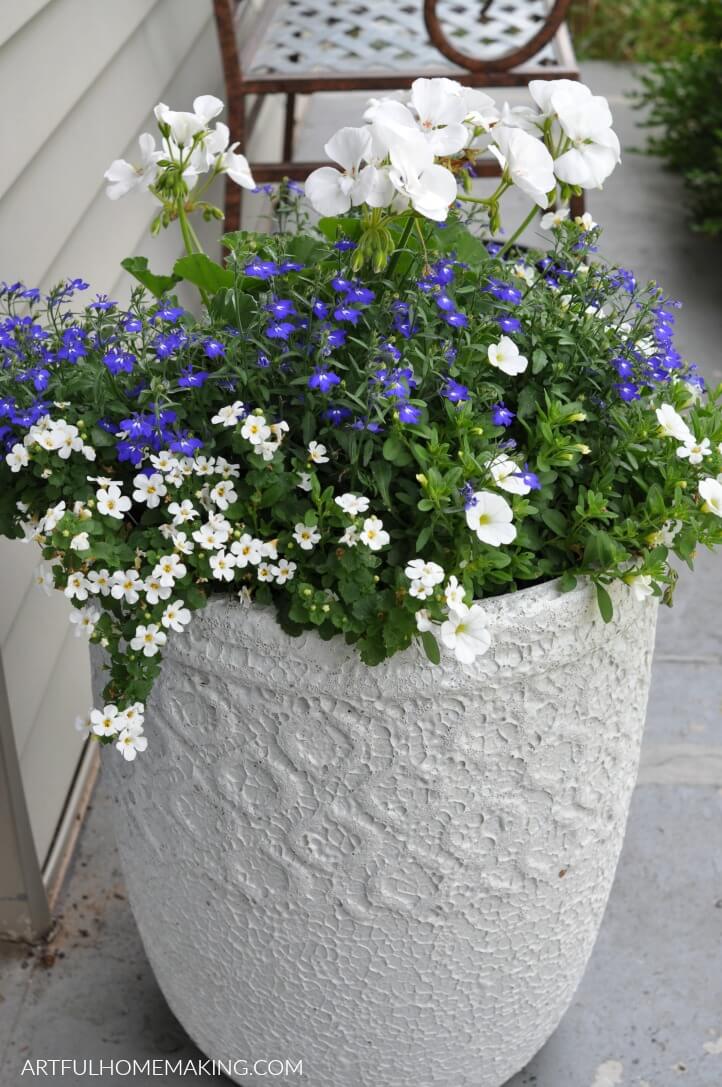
x,y
234,193
576,205
288,128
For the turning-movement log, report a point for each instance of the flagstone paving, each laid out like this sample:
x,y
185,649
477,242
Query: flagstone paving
x,y
649,1010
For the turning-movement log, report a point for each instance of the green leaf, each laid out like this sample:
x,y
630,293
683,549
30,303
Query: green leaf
x,y
203,272
538,361
567,582
157,285
604,600
555,520
431,647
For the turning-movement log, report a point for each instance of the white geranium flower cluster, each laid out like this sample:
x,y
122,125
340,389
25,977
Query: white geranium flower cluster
x,y
410,153
188,146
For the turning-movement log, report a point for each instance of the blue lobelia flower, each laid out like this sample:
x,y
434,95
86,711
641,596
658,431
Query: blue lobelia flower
x,y
323,380
501,415
454,391
213,349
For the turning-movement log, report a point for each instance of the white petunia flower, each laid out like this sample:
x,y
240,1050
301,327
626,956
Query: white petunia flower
x,y
454,594
77,587
17,458
131,742
126,585
710,491
80,542
228,416
176,616
306,536
641,586
148,639
428,573
255,430
466,633
672,424
490,517
317,453
506,474
105,722
223,564
84,620
284,571
112,502
505,356
373,534
694,451
352,504
149,489
248,551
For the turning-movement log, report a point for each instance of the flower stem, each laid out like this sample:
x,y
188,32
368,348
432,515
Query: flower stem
x,y
518,232
408,227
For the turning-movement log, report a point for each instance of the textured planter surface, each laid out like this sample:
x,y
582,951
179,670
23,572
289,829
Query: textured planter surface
x,y
395,874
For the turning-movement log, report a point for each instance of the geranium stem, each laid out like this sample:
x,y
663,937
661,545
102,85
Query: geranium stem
x,y
409,226
518,232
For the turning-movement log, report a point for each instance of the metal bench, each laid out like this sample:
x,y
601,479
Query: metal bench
x,y
294,47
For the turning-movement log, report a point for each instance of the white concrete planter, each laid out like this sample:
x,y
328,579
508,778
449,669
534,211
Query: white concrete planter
x,y
395,874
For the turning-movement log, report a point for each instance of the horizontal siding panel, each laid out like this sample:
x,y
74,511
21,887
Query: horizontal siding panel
x,y
14,16
30,653
17,563
43,209
53,746
68,45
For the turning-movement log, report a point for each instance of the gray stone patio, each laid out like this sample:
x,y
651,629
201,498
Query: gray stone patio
x,y
649,1010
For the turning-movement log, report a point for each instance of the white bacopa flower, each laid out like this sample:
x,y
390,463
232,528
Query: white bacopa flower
x,y
427,573
420,591
149,489
223,494
80,542
350,537
490,517
506,474
317,453
169,569
148,639
265,572
505,356
255,430
284,571
43,577
466,633
132,716
424,621
527,162
306,536
209,537
182,512
710,491
641,586
131,742
304,481
112,502
176,616
83,724
352,504
77,587
164,461
126,585
123,178
84,620
228,416
269,549
223,565
181,543
694,451
373,534
454,594
247,550
17,458
52,518
551,219
99,581
672,425
105,722
67,439
155,591
586,222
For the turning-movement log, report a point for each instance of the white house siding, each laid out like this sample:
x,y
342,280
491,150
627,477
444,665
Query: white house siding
x,y
79,79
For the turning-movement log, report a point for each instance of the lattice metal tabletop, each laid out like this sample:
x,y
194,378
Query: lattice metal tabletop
x,y
326,37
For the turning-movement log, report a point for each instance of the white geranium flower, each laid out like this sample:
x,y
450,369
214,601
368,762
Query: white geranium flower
x,y
176,616
17,458
352,504
331,191
454,594
441,108
373,534
255,430
526,160
184,125
710,491
427,573
148,639
112,502
223,565
169,569
490,517
77,587
126,585
227,416
306,536
672,424
317,453
131,742
149,489
586,120
236,166
505,356
105,722
248,551
84,620
481,111
430,188
694,451
80,542
506,474
466,633
284,571
123,178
